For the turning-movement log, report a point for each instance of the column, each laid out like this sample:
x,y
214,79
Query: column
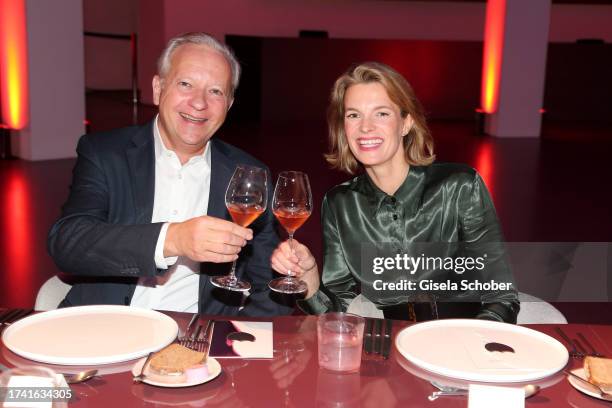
x,y
522,67
56,80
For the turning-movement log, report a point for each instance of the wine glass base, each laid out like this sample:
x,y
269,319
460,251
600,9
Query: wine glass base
x,y
288,285
226,282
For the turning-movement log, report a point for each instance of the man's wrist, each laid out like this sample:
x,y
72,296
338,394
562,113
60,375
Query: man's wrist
x,y
170,249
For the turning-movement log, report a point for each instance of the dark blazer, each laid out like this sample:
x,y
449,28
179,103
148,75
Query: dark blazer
x,y
105,237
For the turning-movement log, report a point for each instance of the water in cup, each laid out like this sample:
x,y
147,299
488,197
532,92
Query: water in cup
x,y
340,338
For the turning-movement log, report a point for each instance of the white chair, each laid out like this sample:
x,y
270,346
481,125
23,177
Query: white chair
x,y
364,307
533,310
536,311
51,293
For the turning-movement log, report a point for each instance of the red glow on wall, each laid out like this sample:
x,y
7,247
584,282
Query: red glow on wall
x,y
484,164
13,63
17,241
492,56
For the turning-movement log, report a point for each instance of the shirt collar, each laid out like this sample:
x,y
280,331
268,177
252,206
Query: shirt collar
x,y
161,149
409,194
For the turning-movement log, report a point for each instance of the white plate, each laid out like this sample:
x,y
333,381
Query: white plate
x,y
90,335
456,348
214,369
584,387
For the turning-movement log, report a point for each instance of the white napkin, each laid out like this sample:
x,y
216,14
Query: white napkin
x,y
21,381
486,396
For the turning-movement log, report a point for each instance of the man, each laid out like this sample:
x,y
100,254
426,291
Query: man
x,y
145,222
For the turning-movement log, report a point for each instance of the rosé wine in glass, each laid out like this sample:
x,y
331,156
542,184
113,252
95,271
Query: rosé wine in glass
x,y
292,205
246,199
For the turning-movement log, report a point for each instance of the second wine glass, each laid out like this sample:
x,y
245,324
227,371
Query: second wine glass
x,y
292,205
246,199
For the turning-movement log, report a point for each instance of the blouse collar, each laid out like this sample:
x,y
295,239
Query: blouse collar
x,y
409,194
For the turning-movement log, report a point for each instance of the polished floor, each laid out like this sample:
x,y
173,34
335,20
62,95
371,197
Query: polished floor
x,y
555,188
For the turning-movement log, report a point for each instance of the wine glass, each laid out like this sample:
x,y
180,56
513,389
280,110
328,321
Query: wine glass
x,y
292,205
246,199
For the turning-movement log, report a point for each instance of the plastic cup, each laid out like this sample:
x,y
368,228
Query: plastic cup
x,y
340,337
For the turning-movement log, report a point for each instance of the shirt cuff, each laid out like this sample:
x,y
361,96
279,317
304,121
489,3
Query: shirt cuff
x,y
160,261
317,304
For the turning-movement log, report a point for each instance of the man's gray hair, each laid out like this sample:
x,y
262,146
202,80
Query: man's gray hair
x,y
198,38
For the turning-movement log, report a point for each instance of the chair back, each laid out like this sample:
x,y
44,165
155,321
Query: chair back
x,y
51,293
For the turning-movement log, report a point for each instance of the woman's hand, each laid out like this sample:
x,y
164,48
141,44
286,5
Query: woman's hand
x,y
297,261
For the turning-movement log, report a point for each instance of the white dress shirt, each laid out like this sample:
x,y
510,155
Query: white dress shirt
x,y
181,193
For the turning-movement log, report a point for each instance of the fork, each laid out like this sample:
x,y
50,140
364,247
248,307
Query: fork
x,y
203,344
185,338
594,352
573,352
11,316
194,340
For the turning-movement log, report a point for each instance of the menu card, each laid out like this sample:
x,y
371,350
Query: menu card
x,y
485,396
240,339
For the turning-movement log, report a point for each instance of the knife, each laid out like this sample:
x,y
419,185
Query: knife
x,y
207,336
367,337
386,347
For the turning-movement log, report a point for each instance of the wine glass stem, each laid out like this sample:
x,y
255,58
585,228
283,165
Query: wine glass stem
x,y
232,274
289,273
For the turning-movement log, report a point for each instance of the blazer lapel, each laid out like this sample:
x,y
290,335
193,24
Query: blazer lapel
x,y
141,162
221,170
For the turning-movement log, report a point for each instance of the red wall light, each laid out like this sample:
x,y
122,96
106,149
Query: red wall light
x,y
492,56
484,165
13,63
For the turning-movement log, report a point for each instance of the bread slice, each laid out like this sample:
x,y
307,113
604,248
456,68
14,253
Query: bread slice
x,y
599,372
175,359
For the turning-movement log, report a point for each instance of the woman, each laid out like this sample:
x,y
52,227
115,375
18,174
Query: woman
x,y
377,124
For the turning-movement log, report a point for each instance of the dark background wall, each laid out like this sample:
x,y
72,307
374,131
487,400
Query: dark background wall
x,y
289,79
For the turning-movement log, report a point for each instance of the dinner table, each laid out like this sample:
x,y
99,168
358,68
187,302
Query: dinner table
x,y
292,378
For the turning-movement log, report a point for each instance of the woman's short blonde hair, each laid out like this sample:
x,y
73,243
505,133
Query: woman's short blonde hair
x,y
418,143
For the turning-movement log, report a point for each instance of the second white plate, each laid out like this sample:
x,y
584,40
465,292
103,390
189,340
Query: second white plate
x,y
460,348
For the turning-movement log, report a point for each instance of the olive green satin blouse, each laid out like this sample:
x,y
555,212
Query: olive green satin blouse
x,y
439,203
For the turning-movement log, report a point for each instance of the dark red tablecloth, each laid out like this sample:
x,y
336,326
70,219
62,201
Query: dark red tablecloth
x,y
293,378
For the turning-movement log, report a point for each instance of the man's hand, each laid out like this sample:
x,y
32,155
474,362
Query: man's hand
x,y
206,239
296,260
